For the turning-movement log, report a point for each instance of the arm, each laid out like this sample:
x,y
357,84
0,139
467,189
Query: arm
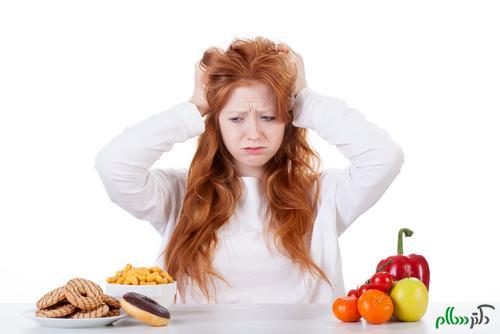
x,y
375,158
124,163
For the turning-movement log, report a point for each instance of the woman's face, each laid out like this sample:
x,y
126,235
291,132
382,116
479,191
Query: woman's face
x,y
249,120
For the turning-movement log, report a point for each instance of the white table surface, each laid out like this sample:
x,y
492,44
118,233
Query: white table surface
x,y
259,319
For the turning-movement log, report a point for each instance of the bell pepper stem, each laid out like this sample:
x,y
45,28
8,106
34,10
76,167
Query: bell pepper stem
x,y
407,233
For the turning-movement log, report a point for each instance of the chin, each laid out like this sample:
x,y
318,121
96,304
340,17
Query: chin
x,y
254,161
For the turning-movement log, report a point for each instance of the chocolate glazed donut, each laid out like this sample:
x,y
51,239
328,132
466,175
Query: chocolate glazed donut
x,y
145,309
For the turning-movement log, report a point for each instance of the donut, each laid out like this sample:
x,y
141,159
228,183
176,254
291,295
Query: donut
x,y
145,309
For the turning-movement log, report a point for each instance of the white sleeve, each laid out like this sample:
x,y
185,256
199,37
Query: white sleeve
x,y
375,159
124,164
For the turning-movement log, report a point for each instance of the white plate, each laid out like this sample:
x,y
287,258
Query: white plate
x,y
72,323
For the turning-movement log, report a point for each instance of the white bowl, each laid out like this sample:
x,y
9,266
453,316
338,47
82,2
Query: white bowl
x,y
163,294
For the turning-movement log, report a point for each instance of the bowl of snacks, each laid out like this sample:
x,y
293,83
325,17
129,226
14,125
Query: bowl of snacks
x,y
152,282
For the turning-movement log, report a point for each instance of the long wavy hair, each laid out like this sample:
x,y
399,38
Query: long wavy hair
x,y
289,183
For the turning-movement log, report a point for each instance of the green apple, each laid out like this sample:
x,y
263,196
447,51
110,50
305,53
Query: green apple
x,y
410,299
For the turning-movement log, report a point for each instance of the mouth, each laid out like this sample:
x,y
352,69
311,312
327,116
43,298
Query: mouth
x,y
253,150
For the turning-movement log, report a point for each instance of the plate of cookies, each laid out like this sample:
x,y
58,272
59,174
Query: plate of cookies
x,y
77,304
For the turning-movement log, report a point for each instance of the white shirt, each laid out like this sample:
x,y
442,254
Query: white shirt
x,y
256,274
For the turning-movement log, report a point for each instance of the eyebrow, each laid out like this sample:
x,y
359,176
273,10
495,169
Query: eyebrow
x,y
246,111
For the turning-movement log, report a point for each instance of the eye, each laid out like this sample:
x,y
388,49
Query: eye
x,y
269,118
266,118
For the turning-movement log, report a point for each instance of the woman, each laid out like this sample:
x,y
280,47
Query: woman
x,y
253,220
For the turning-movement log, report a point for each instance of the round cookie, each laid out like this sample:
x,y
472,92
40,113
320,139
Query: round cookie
x,y
113,312
145,309
51,298
112,302
99,312
56,311
83,293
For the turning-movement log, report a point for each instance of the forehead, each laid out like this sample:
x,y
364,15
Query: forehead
x,y
257,95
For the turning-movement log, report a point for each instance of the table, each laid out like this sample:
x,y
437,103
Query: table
x,y
262,318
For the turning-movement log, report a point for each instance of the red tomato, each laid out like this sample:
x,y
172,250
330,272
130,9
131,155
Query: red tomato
x,y
346,309
363,288
381,281
354,293
375,306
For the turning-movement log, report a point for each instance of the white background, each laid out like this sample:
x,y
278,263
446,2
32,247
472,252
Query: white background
x,y
74,74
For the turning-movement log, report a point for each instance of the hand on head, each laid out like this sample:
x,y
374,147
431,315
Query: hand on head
x,y
199,94
300,82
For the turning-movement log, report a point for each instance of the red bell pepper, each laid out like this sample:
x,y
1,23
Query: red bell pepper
x,y
401,266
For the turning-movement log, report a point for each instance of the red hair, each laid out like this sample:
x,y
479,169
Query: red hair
x,y
290,181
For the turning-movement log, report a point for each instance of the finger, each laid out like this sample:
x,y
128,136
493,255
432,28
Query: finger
x,y
282,48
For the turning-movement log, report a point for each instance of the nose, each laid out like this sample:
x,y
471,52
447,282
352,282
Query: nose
x,y
253,130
